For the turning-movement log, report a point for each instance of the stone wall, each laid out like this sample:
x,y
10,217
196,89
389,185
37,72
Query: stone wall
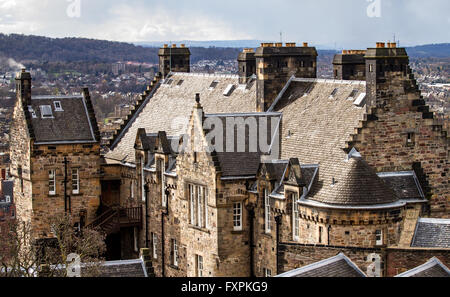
x,y
401,260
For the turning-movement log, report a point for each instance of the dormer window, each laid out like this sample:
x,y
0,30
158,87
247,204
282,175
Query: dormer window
x,y
58,106
46,111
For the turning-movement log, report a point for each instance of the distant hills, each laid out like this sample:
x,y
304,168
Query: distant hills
x,y
25,48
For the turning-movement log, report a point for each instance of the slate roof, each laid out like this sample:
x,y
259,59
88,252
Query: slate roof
x,y
236,162
433,268
72,124
127,268
405,184
319,115
170,107
338,266
432,233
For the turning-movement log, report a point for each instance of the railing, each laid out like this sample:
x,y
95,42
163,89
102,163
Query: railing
x,y
131,215
103,218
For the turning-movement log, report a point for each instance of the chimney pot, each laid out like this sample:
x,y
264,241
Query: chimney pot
x,y
166,46
305,44
174,45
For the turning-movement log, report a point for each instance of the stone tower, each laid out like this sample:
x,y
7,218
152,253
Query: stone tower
x,y
174,59
276,63
247,65
350,65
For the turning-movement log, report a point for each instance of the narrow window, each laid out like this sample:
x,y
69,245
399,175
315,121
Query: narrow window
x,y
199,265
410,139
142,180
237,216
296,222
379,237
19,173
320,234
200,207
192,203
154,243
163,183
8,199
132,189
267,210
136,239
52,182
174,253
75,182
370,67
267,272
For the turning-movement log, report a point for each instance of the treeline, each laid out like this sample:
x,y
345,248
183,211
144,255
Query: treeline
x,y
73,50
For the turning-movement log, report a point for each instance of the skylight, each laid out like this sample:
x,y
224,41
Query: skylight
x,y
46,111
213,85
360,101
58,106
333,93
180,82
353,95
229,90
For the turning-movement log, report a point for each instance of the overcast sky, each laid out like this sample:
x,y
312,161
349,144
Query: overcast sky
x,y
320,22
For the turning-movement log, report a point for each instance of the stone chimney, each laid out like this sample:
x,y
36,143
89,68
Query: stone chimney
x,y
23,87
246,64
276,64
174,59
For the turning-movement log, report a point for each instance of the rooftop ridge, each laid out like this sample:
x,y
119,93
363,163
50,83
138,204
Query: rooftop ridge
x,y
429,264
434,221
330,80
199,74
48,97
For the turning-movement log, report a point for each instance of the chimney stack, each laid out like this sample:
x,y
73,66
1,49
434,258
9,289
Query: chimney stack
x,y
23,87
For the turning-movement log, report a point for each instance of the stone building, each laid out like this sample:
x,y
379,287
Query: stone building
x,y
55,157
352,165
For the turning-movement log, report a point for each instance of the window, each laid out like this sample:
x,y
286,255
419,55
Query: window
x,y
58,106
174,253
198,206
132,189
162,169
180,82
237,216
229,89
19,173
379,237
213,85
267,272
8,199
52,182
46,111
154,246
199,265
75,181
267,210
353,95
410,139
334,93
370,67
296,218
320,234
136,239
142,180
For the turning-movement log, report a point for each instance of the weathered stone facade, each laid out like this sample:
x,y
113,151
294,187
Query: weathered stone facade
x,y
33,157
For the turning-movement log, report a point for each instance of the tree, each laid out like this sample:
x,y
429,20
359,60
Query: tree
x,y
24,257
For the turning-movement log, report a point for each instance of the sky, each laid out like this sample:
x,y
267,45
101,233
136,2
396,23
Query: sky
x,y
331,23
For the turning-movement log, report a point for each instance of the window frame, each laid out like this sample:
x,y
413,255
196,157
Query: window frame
x,y
154,247
267,212
175,253
77,190
52,182
379,237
58,106
237,217
199,265
295,218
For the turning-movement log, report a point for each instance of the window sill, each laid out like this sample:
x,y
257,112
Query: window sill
x,y
237,232
174,267
77,195
199,229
